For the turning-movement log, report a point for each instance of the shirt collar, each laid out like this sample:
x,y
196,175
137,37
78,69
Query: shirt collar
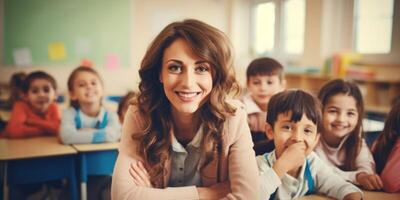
x,y
99,117
250,105
196,141
334,148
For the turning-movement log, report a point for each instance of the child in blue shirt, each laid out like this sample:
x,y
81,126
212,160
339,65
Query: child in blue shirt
x,y
86,120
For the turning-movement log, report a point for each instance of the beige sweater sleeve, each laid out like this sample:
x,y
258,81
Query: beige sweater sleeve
x,y
242,165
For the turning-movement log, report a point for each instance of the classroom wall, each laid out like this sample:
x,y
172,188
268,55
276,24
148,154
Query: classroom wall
x,y
329,28
147,19
1,30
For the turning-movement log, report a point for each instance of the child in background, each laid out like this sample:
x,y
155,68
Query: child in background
x,y
387,151
37,113
292,170
342,143
16,92
124,104
264,79
15,95
87,121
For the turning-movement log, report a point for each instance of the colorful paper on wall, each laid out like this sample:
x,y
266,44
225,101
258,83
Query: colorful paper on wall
x,y
112,61
83,47
57,51
22,57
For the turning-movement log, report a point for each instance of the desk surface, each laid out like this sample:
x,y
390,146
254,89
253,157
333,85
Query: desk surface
x,y
12,149
96,147
5,115
367,194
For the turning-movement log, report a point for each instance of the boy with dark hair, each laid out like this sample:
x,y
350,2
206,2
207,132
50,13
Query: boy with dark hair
x,y
293,170
264,79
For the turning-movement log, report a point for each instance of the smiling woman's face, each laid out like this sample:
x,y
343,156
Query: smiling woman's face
x,y
186,78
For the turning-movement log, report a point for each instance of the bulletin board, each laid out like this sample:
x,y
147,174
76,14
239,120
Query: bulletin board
x,y
63,32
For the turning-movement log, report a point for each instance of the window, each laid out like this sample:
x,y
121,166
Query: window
x,y
264,27
373,26
279,27
293,26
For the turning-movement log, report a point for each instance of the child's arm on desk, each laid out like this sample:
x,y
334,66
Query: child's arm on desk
x,y
17,126
51,123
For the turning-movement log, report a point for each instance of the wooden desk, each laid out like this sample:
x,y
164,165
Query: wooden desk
x,y
5,115
95,159
36,160
368,195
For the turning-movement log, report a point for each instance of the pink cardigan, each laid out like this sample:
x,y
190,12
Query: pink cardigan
x,y
236,163
391,172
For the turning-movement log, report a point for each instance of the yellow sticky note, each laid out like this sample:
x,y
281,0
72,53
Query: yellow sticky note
x,y
57,51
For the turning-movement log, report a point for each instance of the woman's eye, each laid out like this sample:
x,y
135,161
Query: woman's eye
x,y
270,82
174,68
202,69
256,82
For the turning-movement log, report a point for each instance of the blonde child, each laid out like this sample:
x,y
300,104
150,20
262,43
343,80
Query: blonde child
x,y
124,104
264,79
387,151
37,113
292,170
342,144
86,120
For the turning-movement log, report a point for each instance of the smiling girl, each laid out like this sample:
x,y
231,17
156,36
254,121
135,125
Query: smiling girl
x,y
342,144
86,120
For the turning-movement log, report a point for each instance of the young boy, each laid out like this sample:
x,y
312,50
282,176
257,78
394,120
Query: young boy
x,y
292,170
264,79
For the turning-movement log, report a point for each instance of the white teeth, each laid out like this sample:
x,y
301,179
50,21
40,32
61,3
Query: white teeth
x,y
187,94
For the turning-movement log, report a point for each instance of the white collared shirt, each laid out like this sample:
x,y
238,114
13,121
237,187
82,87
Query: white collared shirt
x,y
185,162
255,116
325,180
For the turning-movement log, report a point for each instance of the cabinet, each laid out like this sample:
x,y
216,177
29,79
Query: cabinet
x,y
378,94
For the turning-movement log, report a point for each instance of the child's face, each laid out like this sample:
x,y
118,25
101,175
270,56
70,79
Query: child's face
x,y
340,115
87,88
186,78
263,87
40,95
286,132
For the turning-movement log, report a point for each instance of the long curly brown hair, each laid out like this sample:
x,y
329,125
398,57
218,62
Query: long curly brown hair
x,y
209,44
354,141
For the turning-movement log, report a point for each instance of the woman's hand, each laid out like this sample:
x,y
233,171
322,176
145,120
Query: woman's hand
x,y
140,175
369,181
